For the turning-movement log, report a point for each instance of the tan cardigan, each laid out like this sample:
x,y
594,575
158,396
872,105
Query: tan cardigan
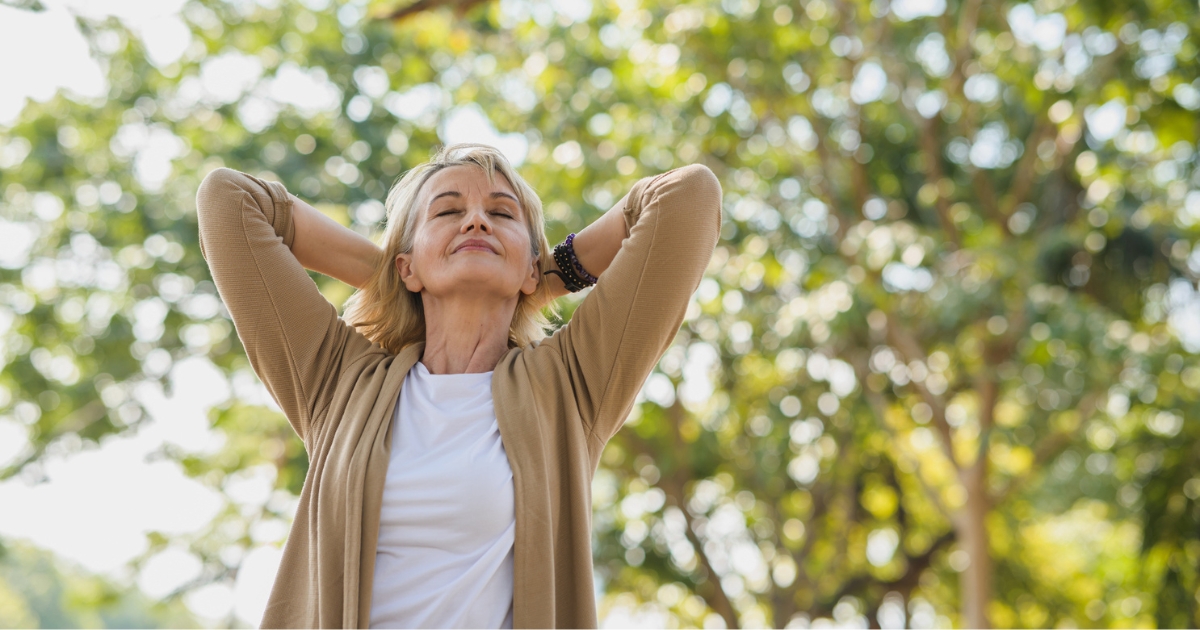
x,y
557,401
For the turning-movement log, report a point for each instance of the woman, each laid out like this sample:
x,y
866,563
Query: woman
x,y
451,444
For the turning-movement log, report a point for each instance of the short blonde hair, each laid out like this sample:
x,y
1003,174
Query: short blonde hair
x,y
392,316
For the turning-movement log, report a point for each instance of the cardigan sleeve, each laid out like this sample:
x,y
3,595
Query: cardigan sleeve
x,y
292,335
622,328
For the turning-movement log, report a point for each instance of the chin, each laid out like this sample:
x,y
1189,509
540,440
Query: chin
x,y
480,282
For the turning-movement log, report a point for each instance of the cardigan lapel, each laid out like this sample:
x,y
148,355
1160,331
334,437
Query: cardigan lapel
x,y
533,574
357,612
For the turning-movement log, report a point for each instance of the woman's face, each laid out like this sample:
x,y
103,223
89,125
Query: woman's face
x,y
471,239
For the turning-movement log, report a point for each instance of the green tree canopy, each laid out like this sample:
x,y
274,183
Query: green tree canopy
x,y
939,371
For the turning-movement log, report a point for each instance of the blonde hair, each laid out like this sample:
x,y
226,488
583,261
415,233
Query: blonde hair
x,y
387,313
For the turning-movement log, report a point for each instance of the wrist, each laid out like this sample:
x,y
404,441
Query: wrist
x,y
572,273
574,261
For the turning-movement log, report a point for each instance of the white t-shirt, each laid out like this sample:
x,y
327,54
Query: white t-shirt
x,y
446,531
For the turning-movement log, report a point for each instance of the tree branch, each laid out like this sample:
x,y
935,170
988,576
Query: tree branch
x,y
26,5
820,506
931,150
989,393
995,353
460,8
845,218
710,588
1022,181
879,408
74,422
966,26
673,485
904,584
860,181
985,192
902,340
876,402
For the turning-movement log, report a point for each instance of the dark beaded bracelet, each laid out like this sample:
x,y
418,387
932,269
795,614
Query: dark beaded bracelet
x,y
570,247
573,274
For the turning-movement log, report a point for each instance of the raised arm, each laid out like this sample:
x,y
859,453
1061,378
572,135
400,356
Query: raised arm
x,y
327,247
293,337
670,224
596,246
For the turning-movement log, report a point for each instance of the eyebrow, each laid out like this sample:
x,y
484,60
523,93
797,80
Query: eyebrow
x,y
455,193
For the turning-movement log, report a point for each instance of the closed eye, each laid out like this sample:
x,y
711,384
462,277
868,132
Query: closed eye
x,y
502,213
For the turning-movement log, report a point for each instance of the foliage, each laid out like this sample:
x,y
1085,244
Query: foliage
x,y
934,347
37,591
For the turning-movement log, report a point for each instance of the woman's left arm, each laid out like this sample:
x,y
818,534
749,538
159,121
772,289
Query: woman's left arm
x,y
650,252
595,246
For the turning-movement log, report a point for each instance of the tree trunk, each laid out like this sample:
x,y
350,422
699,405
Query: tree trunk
x,y
976,579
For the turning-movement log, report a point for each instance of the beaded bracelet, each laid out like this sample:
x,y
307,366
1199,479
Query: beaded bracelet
x,y
570,247
573,275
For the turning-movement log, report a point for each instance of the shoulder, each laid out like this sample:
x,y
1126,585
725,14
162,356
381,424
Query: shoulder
x,y
539,359
220,179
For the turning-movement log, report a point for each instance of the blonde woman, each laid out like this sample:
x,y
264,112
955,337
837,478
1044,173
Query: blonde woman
x,y
451,443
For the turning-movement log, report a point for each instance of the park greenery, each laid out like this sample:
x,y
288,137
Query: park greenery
x,y
939,371
37,591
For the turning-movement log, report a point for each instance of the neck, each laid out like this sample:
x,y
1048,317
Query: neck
x,y
465,334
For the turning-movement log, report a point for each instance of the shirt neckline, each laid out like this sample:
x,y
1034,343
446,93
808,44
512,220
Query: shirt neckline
x,y
425,373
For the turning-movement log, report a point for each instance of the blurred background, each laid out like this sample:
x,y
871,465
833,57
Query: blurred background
x,y
942,370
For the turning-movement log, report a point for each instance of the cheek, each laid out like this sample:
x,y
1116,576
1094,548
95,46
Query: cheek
x,y
427,244
520,250
518,240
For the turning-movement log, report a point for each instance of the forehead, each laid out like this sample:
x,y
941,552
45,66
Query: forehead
x,y
467,180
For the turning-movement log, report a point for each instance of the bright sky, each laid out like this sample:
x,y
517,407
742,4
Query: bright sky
x,y
57,54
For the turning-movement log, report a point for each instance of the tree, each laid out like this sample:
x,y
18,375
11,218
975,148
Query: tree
x,y
937,331
38,591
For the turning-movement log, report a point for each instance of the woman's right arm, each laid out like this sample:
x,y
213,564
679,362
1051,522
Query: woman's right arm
x,y
327,247
293,337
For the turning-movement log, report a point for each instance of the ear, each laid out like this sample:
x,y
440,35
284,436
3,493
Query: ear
x,y
531,281
408,274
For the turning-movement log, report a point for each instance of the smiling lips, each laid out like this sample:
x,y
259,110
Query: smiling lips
x,y
475,244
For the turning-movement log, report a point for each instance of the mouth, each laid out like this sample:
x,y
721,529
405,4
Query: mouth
x,y
475,245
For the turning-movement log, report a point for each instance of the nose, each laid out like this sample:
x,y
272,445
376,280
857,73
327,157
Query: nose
x,y
477,220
